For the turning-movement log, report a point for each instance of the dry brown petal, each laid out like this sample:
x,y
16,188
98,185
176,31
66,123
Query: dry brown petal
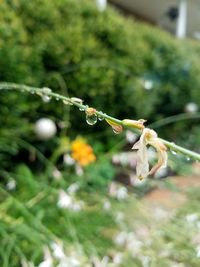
x,y
90,111
117,128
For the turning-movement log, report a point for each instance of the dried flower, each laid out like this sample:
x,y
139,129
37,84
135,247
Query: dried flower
x,y
117,128
149,137
90,111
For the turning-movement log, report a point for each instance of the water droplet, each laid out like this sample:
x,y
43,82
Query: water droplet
x,y
46,98
188,158
100,117
81,108
57,98
174,152
32,92
91,120
67,102
116,131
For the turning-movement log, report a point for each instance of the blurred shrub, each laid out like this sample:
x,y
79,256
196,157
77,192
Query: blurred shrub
x,y
123,67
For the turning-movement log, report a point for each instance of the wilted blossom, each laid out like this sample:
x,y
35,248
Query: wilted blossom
x,y
149,137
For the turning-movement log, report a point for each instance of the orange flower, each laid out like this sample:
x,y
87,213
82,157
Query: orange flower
x,y
82,152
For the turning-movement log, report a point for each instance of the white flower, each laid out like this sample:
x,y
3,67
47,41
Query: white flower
x,y
121,238
131,137
119,217
78,170
58,252
133,244
145,261
160,214
198,252
148,84
122,193
106,205
65,200
191,107
77,206
101,4
117,191
57,175
69,262
68,160
73,188
11,185
192,217
100,263
149,137
118,258
45,128
46,263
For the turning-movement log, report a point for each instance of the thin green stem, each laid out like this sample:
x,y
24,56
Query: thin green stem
x,y
73,101
175,118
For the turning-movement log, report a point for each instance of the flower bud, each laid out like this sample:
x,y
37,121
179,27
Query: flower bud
x,y
139,124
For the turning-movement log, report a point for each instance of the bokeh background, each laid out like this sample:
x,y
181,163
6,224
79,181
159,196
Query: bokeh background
x,y
69,193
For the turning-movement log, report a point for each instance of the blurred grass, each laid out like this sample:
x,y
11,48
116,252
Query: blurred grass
x,y
31,219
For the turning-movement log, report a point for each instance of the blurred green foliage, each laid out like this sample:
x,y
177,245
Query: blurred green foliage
x,y
103,58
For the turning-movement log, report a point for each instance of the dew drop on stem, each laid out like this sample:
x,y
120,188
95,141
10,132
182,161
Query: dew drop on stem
x,y
100,117
91,120
174,152
115,131
46,98
81,108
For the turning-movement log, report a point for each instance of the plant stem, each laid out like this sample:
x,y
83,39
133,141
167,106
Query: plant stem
x,y
73,101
